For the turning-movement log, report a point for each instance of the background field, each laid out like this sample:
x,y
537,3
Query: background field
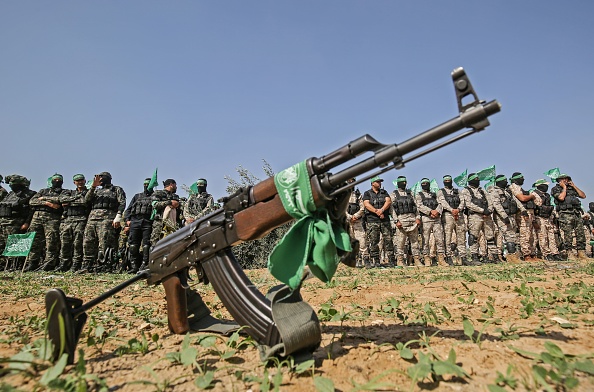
x,y
489,328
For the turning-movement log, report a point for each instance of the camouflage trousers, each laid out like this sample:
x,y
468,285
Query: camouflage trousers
x,y
571,224
507,232
373,238
478,223
99,235
8,227
47,229
356,231
410,231
527,237
72,234
589,237
454,228
432,226
546,236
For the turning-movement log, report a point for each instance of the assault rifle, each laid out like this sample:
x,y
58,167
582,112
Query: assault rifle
x,y
281,322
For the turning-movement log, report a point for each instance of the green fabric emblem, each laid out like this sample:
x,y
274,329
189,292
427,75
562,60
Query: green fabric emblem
x,y
313,240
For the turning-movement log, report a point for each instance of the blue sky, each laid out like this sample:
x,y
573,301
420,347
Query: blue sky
x,y
197,88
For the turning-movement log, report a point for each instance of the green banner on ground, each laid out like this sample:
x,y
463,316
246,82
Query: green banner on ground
x,y
18,244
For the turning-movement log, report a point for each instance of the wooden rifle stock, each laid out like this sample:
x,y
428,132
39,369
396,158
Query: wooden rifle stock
x,y
177,309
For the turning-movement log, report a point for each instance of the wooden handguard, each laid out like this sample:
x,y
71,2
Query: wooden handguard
x,y
177,307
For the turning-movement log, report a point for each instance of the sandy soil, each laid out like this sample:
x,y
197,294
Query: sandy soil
x,y
525,307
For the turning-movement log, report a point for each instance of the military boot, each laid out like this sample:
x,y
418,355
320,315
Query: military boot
x,y
63,266
473,262
513,258
145,257
428,261
441,260
581,256
75,266
417,260
400,261
31,266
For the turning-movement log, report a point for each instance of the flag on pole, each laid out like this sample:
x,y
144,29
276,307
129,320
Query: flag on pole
x,y
486,174
433,187
553,173
18,244
416,188
462,179
154,182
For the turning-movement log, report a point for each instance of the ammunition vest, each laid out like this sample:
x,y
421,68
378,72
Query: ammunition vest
x,y
429,202
76,209
353,208
53,193
452,199
16,205
572,201
354,203
481,203
377,200
142,206
529,205
508,202
546,209
404,204
105,198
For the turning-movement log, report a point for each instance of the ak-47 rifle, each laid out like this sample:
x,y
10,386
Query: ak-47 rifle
x,y
281,321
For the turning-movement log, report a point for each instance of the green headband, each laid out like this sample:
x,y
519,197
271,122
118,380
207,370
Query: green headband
x,y
424,180
500,177
472,177
447,178
403,179
517,176
77,177
57,176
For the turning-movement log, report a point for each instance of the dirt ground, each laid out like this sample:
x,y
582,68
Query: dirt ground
x,y
488,328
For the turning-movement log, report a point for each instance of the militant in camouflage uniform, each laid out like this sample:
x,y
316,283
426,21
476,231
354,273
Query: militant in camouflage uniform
x,y
430,211
452,220
199,204
138,220
524,217
505,207
46,223
165,202
567,198
72,227
479,209
355,214
406,221
589,228
377,203
15,214
543,213
107,205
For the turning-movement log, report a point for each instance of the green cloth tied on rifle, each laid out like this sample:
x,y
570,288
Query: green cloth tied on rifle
x,y
313,240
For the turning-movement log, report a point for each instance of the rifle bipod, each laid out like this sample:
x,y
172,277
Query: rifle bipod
x,y
66,316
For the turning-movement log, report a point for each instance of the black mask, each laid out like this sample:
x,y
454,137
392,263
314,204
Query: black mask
x,y
17,187
105,180
543,187
475,182
591,205
501,184
425,186
201,188
402,185
519,181
57,184
448,184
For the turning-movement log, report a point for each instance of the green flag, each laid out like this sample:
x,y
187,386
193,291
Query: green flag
x,y
462,179
490,183
433,187
18,244
416,188
194,189
487,174
553,173
154,182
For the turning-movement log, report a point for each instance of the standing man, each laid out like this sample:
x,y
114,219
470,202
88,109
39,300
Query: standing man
x,y
107,206
140,226
165,204
524,217
505,207
453,221
430,211
377,203
479,208
72,227
15,213
567,197
589,228
543,214
46,223
199,203
407,221
354,215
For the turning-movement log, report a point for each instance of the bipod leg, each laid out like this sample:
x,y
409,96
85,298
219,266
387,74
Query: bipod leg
x,y
66,316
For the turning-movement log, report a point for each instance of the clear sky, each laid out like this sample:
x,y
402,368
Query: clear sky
x,y
197,88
